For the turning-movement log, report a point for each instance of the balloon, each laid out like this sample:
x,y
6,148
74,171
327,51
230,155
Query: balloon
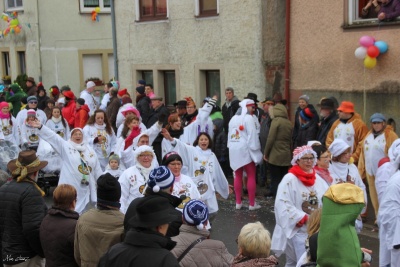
x,y
97,9
373,51
366,41
14,22
360,52
17,29
382,46
369,62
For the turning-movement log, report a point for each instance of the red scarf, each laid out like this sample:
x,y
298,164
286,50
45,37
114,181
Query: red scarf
x,y
324,173
308,179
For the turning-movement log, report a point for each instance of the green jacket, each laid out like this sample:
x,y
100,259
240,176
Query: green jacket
x,y
277,148
15,99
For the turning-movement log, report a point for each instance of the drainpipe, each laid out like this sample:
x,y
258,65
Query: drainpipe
x,y
38,40
287,54
114,40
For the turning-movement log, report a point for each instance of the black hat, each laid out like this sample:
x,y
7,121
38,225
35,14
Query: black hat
x,y
252,96
327,103
181,104
152,211
108,191
80,101
140,90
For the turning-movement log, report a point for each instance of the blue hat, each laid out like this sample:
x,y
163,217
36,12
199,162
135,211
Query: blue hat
x,y
142,82
195,212
377,117
160,178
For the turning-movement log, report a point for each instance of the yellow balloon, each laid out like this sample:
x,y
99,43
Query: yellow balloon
x,y
369,62
97,9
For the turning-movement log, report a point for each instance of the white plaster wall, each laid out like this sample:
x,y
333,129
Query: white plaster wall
x,y
231,41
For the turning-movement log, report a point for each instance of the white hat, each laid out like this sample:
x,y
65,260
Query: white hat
x,y
337,147
90,84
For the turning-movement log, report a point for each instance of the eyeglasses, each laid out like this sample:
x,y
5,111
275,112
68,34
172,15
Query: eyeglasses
x,y
32,102
190,107
307,159
325,157
377,122
146,156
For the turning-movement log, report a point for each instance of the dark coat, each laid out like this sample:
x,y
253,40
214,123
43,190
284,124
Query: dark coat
x,y
173,229
264,129
307,132
141,248
155,115
112,111
31,90
220,142
229,111
57,234
297,123
143,105
22,209
42,101
325,126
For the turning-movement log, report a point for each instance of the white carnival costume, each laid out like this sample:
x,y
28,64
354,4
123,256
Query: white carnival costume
x,y
80,168
89,101
184,186
9,130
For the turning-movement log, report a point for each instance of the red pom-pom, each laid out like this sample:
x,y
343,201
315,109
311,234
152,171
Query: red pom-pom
x,y
241,127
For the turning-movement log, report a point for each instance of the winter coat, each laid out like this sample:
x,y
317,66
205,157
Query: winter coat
x,y
207,253
112,111
242,261
42,100
220,142
307,132
264,129
173,229
228,111
297,124
22,209
143,105
325,126
31,90
68,113
96,232
15,99
57,233
155,114
141,248
278,150
81,116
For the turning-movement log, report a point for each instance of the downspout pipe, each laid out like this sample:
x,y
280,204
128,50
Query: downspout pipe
x,y
287,55
114,40
38,40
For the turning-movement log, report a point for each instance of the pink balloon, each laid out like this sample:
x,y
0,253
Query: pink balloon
x,y
366,41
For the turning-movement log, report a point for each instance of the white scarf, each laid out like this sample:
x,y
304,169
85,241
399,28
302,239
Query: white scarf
x,y
100,127
339,170
80,147
144,171
56,120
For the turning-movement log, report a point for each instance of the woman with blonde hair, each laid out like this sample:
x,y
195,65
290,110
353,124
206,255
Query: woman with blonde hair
x,y
57,230
254,244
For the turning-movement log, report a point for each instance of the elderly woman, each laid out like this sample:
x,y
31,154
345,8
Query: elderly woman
x,y
80,167
323,160
100,135
57,230
133,180
299,193
254,243
244,151
184,187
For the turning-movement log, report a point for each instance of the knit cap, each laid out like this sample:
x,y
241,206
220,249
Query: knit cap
x,y
140,90
31,98
195,212
114,157
31,113
108,191
305,98
160,178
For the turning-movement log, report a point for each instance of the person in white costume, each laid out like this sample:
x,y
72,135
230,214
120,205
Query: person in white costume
x,y
134,179
80,168
113,166
58,124
8,125
100,135
203,166
203,123
244,151
183,184
87,94
389,223
125,113
29,134
299,193
106,96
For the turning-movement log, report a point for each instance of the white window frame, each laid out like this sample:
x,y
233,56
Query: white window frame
x,y
353,16
16,8
137,13
197,8
103,9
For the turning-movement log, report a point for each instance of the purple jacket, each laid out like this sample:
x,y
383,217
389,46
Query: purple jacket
x,y
391,9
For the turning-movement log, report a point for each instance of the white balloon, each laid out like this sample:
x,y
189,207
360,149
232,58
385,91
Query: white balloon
x,y
360,52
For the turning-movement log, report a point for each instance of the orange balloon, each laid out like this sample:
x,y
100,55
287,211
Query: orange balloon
x,y
17,29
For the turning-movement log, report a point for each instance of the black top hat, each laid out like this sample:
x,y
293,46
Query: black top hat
x,y
180,104
152,211
252,96
327,103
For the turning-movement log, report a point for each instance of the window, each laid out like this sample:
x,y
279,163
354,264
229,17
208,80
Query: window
x,y
147,75
21,62
14,5
152,10
213,84
169,87
96,63
356,16
92,67
207,8
6,64
87,6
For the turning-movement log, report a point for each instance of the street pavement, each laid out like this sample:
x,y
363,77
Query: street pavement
x,y
227,224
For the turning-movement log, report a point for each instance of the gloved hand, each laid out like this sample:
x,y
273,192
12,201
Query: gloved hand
x,y
129,140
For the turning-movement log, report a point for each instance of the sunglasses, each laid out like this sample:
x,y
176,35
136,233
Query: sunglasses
x,y
32,102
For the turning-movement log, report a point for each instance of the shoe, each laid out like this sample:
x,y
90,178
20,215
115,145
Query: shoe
x,y
255,207
238,206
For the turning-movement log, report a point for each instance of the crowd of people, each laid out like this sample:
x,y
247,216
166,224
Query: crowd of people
x,y
138,184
